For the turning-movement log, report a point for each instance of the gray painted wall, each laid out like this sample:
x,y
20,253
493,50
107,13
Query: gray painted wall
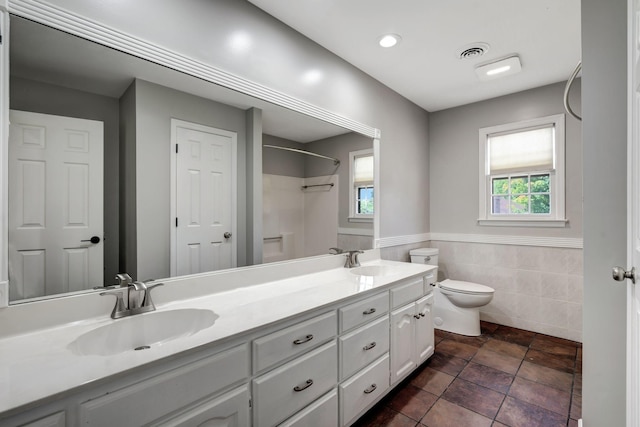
x,y
278,57
281,162
604,112
128,214
454,159
338,147
38,97
155,107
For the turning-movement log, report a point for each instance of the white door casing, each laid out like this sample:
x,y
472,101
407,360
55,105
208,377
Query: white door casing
x,y
55,204
633,216
203,198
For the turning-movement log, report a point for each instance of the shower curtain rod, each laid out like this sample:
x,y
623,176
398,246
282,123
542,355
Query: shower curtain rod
x,y
309,153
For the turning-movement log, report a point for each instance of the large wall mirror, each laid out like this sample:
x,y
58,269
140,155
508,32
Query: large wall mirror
x,y
119,164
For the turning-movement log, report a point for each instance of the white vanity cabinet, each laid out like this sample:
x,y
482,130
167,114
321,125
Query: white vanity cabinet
x,y
412,339
179,391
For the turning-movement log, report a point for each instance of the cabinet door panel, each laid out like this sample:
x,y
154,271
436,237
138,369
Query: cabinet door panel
x,y
424,329
229,410
402,350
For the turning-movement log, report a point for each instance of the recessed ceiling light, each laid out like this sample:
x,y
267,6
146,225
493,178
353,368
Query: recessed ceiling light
x,y
389,40
500,68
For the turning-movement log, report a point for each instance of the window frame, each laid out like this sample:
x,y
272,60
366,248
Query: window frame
x,y
353,215
556,218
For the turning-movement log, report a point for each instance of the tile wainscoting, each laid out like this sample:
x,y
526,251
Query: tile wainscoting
x,y
537,288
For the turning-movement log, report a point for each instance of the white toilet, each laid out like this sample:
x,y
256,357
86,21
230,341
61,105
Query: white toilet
x,y
456,306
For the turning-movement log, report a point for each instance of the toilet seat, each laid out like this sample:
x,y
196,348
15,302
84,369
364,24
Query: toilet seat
x,y
465,287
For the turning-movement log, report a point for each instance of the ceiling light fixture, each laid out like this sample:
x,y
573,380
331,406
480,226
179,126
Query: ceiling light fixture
x,y
389,40
500,68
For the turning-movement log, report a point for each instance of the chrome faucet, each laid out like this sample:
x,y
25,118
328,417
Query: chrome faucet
x,y
131,297
352,259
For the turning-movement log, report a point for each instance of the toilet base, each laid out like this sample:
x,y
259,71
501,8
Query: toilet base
x,y
450,318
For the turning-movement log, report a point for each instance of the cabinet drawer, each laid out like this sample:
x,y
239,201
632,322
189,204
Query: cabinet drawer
x,y
156,397
428,280
323,412
363,346
284,391
294,340
363,389
407,293
363,311
58,419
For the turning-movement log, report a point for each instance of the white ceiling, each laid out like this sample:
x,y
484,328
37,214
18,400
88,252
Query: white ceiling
x,y
425,67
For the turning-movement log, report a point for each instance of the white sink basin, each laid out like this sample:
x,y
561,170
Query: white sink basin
x,y
372,270
142,331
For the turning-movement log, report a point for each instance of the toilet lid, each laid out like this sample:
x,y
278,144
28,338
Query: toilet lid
x,y
465,287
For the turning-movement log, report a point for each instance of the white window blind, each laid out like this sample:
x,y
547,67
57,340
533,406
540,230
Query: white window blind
x,y
529,150
363,170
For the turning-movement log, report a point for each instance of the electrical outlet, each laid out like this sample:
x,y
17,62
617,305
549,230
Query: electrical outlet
x,y
4,294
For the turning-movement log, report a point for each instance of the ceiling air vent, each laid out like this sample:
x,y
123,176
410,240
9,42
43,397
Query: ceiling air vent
x,y
474,50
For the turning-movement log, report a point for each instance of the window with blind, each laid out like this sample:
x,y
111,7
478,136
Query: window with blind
x,y
522,173
361,189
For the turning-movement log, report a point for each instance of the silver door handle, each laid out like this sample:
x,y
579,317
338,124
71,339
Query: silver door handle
x,y
620,274
227,235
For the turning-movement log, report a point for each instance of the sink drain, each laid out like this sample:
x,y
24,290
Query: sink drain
x,y
142,347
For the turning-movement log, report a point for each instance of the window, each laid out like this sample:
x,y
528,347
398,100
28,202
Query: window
x,y
522,173
361,190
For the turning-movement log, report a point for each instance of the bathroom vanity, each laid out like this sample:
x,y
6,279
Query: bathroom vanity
x,y
318,345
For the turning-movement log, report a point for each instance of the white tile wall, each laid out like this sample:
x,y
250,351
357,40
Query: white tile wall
x,y
537,288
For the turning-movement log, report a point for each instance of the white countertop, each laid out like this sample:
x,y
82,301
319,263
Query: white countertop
x,y
39,364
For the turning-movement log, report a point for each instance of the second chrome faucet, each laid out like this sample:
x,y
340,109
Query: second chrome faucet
x,y
131,297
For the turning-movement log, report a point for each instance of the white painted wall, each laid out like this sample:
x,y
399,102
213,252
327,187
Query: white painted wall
x,y
604,125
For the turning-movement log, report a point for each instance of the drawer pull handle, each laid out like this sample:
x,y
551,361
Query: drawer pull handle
x,y
370,311
421,314
369,346
417,316
303,340
371,389
306,385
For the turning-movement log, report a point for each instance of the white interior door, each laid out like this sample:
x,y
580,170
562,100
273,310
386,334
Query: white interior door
x,y
205,198
55,204
633,222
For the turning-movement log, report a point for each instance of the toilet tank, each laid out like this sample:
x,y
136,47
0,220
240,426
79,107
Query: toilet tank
x,y
424,256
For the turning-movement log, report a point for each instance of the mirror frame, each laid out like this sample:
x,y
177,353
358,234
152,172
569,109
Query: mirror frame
x,y
60,19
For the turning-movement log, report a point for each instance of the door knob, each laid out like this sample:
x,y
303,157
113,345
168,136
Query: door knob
x,y
94,240
621,274
227,235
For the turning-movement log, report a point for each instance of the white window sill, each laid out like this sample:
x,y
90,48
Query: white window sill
x,y
359,219
523,222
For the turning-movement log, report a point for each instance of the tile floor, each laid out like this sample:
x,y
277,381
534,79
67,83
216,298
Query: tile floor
x,y
505,377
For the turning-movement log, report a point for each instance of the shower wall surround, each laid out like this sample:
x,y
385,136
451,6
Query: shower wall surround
x,y
537,288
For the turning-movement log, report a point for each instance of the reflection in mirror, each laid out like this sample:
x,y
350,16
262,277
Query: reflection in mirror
x,y
95,183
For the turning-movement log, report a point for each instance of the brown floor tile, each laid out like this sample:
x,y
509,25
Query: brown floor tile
x,y
487,377
458,349
437,340
561,341
447,414
498,361
576,407
513,335
433,381
573,423
473,341
446,363
579,355
541,395
382,416
412,402
474,397
516,413
497,424
487,327
577,384
558,346
506,348
547,376
553,361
